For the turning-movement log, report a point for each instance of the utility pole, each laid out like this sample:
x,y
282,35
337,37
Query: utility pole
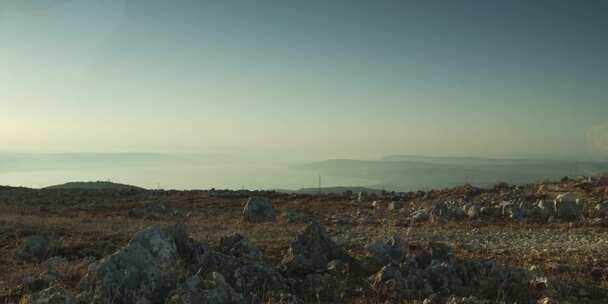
x,y
319,183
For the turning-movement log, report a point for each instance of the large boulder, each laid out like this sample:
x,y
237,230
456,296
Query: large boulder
x,y
160,244
35,247
51,295
311,251
141,272
567,207
259,209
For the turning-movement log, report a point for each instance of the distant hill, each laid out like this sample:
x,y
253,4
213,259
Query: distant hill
x,y
404,173
95,185
327,190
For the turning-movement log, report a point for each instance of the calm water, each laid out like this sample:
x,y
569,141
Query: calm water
x,y
162,171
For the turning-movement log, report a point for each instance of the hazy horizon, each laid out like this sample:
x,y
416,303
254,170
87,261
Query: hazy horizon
x,y
299,82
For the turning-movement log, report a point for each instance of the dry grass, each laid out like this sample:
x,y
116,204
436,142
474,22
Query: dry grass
x,y
103,226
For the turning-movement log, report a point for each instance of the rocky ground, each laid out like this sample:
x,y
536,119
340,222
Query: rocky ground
x,y
541,243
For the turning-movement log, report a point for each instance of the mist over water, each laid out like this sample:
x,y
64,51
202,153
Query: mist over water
x,y
281,171
164,171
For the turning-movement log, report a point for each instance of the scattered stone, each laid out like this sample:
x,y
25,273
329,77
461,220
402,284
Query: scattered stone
x,y
259,209
34,248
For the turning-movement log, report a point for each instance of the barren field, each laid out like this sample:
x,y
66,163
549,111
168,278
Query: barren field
x,y
534,258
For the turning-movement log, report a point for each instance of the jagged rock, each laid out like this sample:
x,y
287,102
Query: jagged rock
x,y
259,209
157,242
188,249
392,251
52,295
311,251
251,277
212,289
35,247
238,246
567,207
395,205
434,271
141,272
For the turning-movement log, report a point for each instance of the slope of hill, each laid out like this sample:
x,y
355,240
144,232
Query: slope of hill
x,y
416,172
95,185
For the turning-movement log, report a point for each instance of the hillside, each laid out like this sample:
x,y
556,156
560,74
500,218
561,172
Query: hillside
x,y
95,186
416,172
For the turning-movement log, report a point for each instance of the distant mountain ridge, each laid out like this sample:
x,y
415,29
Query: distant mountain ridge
x,y
406,173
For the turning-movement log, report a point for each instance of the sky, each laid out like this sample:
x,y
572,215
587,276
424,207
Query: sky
x,y
322,79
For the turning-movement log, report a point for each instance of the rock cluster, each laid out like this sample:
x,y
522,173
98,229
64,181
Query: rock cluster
x,y
312,251
565,207
159,265
432,271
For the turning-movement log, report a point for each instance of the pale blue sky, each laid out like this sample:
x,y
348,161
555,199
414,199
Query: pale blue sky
x,y
326,79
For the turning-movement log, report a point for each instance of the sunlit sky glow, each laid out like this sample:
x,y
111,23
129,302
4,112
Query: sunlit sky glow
x,y
328,79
